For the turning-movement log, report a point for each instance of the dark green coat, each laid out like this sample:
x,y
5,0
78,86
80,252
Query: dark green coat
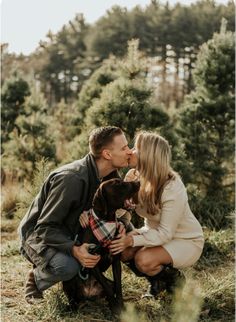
x,y
52,221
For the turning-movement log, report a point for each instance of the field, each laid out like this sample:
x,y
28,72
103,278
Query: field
x,y
207,296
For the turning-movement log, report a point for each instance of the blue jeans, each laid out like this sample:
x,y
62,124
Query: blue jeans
x,y
61,267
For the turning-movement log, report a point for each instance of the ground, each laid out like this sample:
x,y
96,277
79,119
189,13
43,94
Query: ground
x,y
208,295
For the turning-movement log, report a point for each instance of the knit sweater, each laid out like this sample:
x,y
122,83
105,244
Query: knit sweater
x,y
175,220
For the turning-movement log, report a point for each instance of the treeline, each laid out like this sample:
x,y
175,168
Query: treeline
x,y
169,35
119,90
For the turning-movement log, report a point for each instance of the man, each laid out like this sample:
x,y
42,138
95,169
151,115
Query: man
x,y
49,230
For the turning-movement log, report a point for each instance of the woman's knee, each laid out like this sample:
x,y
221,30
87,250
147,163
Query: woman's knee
x,y
144,262
140,262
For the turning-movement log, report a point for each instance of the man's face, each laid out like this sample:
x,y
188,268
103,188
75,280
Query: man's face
x,y
119,152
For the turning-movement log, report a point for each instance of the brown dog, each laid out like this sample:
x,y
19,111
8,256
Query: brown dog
x,y
110,196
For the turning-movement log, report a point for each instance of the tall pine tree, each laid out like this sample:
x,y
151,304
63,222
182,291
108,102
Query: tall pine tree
x,y
207,129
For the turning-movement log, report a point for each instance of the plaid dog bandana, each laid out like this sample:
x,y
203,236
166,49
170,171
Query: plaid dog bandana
x,y
103,230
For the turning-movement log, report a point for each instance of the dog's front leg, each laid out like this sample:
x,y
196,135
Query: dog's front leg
x,y
103,281
116,269
70,289
107,289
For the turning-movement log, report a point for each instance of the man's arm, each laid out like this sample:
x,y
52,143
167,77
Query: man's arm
x,y
65,192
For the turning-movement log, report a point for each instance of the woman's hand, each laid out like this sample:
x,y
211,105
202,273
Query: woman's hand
x,y
121,229
84,219
118,245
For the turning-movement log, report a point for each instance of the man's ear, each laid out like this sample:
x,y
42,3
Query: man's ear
x,y
99,202
106,154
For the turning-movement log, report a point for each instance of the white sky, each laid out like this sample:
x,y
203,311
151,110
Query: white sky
x,y
25,22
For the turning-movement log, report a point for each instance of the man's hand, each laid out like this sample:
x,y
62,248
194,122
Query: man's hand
x,y
82,255
84,219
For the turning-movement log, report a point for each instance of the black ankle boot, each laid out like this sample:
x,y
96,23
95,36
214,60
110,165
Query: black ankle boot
x,y
173,277
168,279
157,285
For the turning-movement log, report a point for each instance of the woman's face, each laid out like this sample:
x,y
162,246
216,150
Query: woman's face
x,y
133,158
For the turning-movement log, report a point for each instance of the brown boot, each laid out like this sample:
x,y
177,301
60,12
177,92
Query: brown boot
x,y
31,291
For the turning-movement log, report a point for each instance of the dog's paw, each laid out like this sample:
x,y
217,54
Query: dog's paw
x,y
72,306
120,306
116,307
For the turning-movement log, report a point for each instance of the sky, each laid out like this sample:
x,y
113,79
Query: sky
x,y
25,22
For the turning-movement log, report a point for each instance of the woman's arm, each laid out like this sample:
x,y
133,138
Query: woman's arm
x,y
174,202
173,207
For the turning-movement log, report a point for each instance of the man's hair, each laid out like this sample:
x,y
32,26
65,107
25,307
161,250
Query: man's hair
x,y
101,137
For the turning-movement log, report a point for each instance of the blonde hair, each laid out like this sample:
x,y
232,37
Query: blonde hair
x,y
154,169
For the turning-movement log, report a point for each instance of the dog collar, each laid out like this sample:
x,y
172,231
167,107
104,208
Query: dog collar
x,y
103,230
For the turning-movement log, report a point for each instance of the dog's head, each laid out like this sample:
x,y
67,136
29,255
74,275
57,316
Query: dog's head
x,y
111,195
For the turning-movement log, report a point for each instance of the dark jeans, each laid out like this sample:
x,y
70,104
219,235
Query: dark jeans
x,y
61,267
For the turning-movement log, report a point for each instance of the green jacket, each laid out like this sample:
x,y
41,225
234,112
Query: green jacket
x,y
52,221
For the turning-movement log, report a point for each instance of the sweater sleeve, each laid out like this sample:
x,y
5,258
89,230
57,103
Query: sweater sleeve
x,y
173,204
65,191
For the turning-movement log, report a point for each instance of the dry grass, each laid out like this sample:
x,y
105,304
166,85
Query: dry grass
x,y
210,282
10,197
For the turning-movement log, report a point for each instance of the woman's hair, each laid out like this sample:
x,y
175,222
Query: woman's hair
x,y
154,154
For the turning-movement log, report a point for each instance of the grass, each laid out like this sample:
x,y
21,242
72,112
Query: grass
x,y
207,296
10,199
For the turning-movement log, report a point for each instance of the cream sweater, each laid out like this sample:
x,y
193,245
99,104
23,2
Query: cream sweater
x,y
174,221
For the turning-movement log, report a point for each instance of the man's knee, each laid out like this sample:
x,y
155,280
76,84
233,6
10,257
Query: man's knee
x,y
64,266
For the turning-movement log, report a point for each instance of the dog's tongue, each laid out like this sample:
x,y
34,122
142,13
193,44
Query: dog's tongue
x,y
128,204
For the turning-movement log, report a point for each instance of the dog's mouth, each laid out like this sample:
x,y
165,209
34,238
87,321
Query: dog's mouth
x,y
129,204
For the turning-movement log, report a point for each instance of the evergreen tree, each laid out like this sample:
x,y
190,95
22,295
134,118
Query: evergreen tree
x,y
31,141
124,102
207,128
110,34
93,87
14,93
61,74
64,128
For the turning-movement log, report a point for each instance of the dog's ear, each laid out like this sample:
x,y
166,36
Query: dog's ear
x,y
99,202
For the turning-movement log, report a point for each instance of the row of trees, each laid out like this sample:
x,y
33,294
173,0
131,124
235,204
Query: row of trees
x,y
201,132
169,35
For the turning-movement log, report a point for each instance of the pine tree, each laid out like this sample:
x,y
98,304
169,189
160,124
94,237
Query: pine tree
x,y
207,128
30,141
125,102
14,92
93,87
121,97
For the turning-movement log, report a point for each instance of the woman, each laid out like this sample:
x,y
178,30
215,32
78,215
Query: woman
x,y
171,234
